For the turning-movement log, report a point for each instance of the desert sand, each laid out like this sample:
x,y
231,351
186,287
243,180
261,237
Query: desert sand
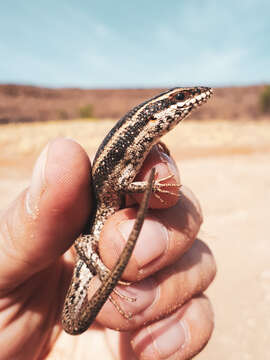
x,y
227,165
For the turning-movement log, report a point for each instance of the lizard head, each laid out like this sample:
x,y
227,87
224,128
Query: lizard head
x,y
169,108
136,132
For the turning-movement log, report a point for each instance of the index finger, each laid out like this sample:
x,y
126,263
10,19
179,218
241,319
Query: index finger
x,y
169,229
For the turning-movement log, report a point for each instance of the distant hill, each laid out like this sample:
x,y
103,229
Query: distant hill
x,y
20,103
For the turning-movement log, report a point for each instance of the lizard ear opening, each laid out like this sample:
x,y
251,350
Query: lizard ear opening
x,y
152,119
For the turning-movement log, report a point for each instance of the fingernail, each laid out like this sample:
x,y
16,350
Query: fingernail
x,y
173,169
169,335
37,184
152,243
171,165
167,165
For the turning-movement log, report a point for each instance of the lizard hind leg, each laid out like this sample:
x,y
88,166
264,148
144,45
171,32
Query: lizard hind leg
x,y
85,246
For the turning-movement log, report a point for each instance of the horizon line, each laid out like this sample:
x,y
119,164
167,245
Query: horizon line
x,y
130,87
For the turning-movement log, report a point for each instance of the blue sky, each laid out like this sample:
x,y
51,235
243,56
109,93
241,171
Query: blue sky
x,y
139,43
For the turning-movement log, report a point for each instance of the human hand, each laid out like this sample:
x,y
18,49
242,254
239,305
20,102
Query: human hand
x,y
174,268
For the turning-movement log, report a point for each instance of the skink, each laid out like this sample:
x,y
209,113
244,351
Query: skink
x,y
117,162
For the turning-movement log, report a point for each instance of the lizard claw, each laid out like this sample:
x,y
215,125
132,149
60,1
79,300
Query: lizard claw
x,y
125,297
127,316
158,187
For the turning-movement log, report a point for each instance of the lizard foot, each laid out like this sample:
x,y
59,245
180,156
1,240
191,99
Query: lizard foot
x,y
127,316
158,187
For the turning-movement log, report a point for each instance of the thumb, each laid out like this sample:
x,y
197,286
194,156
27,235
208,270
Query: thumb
x,y
45,219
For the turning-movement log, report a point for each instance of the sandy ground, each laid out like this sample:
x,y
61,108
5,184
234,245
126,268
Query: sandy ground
x,y
226,164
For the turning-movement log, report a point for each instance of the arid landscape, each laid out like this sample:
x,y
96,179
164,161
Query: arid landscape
x,y
31,103
224,159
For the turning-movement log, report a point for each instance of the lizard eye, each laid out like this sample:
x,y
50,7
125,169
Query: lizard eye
x,y
180,96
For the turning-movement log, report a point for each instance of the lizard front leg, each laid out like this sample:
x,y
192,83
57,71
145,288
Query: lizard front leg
x,y
158,187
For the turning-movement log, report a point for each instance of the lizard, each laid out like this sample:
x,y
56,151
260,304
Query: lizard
x,y
116,164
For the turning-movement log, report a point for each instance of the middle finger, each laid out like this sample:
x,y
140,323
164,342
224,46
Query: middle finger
x,y
166,235
163,292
